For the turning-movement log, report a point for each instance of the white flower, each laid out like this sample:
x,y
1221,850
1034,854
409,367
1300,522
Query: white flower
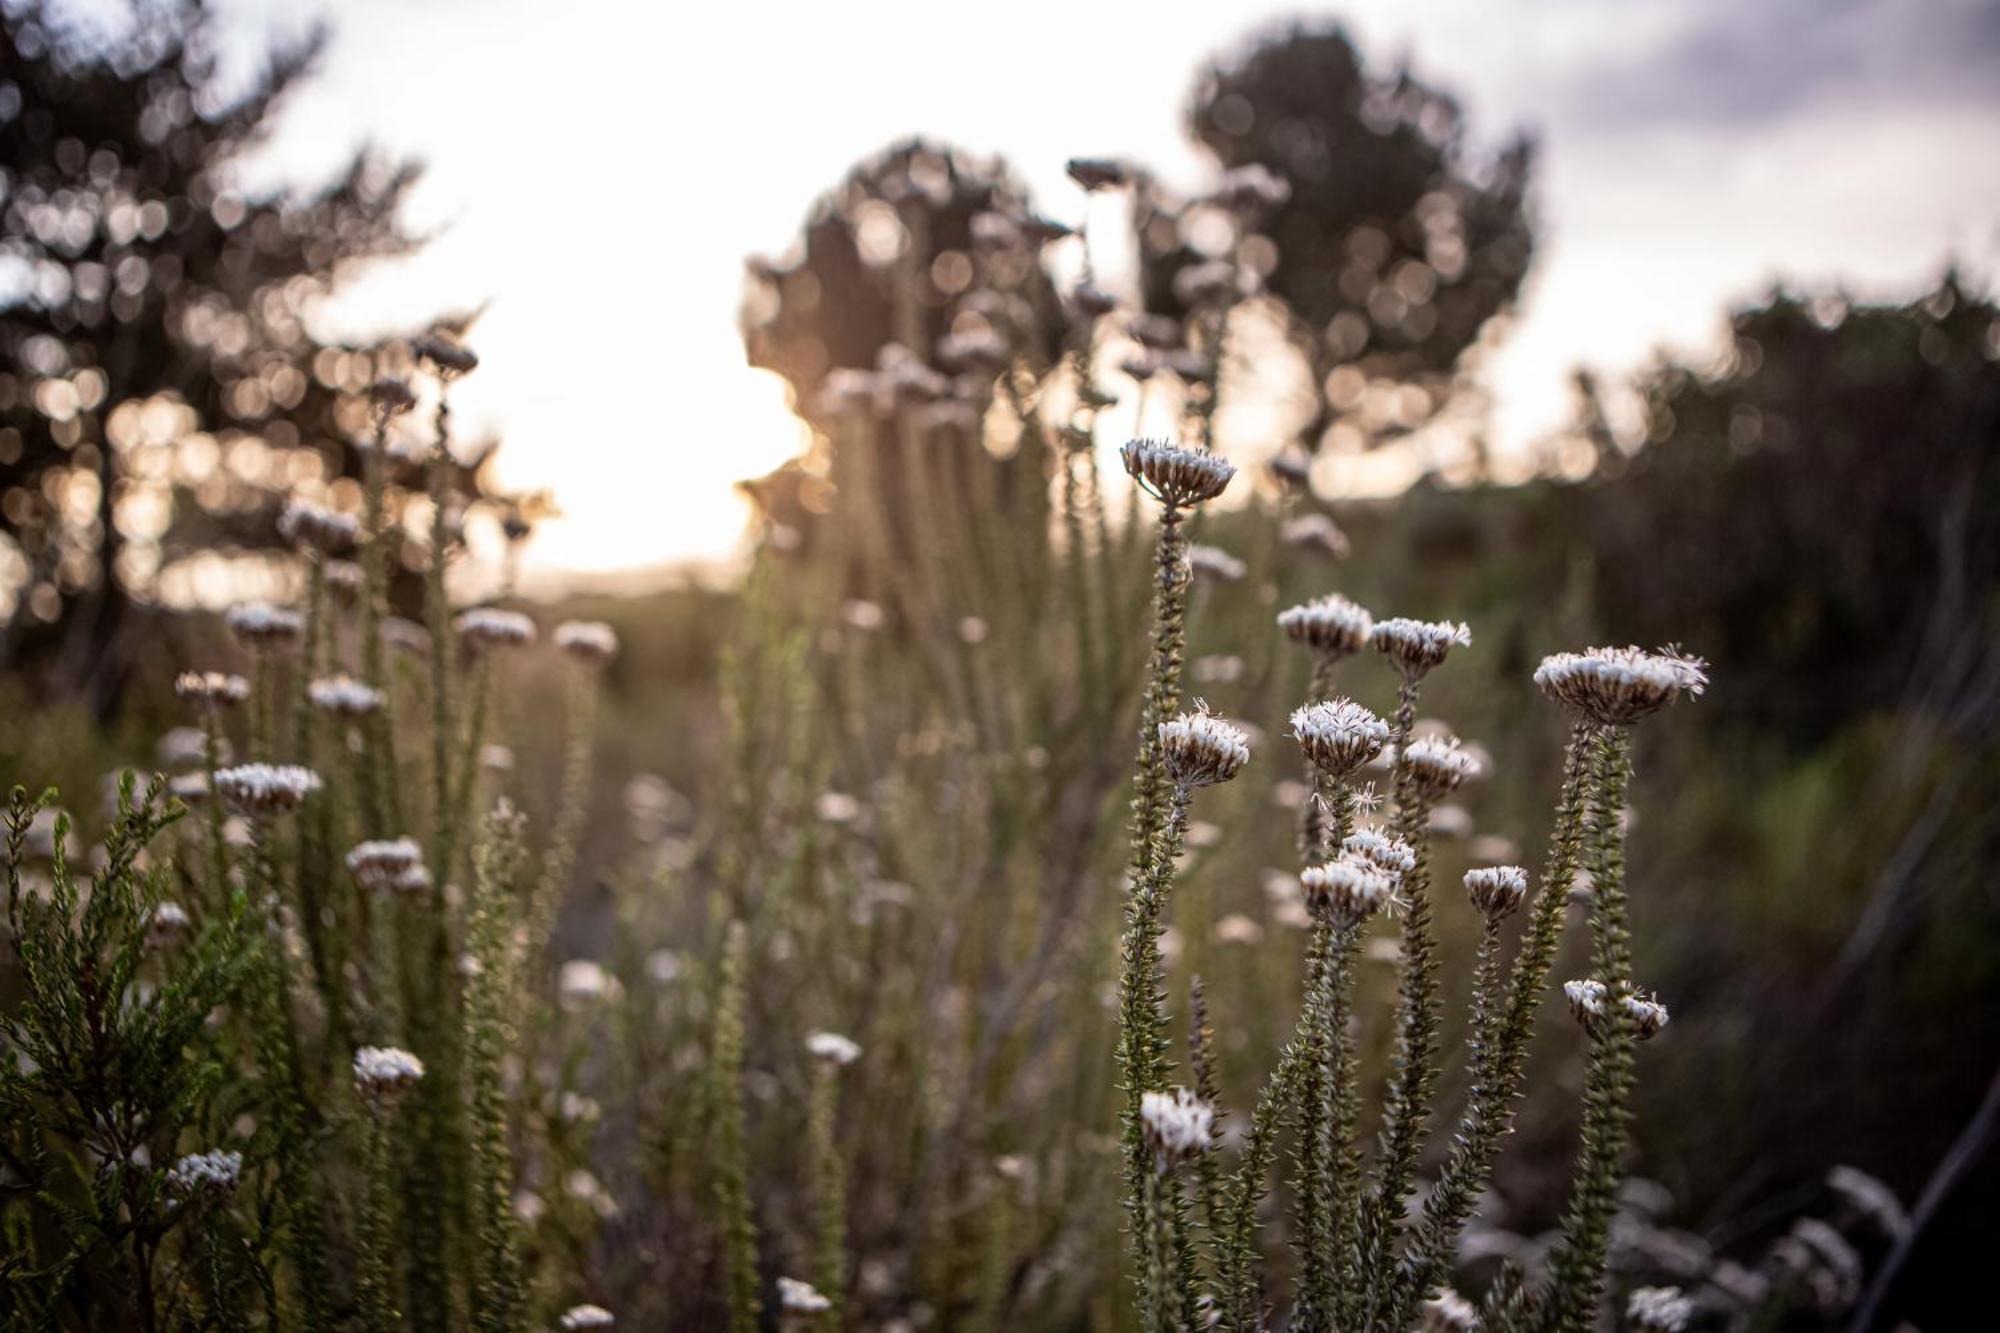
x,y
1647,1014
582,981
263,789
382,1074
1175,476
167,925
1496,890
587,1316
801,1297
211,1173
833,1048
1200,749
1338,736
328,531
1348,890
587,640
344,696
1177,1126
1438,764
387,863
1216,562
1618,686
491,627
259,626
212,688
1586,1000
1659,1310
1449,1312
1392,856
1331,626
1415,646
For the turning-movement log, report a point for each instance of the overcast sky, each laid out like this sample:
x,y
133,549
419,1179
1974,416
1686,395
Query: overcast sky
x,y
600,168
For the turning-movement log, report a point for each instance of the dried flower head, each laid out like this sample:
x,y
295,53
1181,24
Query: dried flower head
x,y
1618,686
1449,1312
167,925
1586,999
212,689
205,1174
265,789
590,641
1338,736
262,627
1331,626
449,357
1659,1310
490,627
1316,533
1415,646
382,1074
1216,563
1175,476
1346,891
1178,1126
316,527
1200,749
1496,890
586,1316
1438,764
832,1048
344,696
383,863
391,396
1392,856
1646,1013
798,1297
1098,173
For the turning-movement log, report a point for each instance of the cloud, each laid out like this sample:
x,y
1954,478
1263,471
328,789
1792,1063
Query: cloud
x,y
1732,64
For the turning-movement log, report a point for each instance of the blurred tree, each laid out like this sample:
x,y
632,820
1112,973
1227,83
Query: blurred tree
x,y
1397,244
159,388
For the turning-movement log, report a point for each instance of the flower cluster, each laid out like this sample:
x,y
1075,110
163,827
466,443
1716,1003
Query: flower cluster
x,y
832,1048
1618,686
1339,736
490,627
798,1297
587,640
1346,891
586,1316
265,789
1496,890
344,696
1175,476
391,863
211,688
1200,749
1178,1126
1438,764
382,1074
1331,626
1659,1310
205,1173
262,627
1392,856
1415,646
325,530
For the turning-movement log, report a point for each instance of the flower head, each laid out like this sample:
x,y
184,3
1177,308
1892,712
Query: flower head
x,y
1646,1014
586,1316
1415,646
211,689
265,789
1449,1312
405,636
1496,890
1439,764
1348,890
328,531
344,696
1331,626
1175,476
212,1174
447,356
1659,1310
1217,563
1253,188
1200,749
832,1048
382,1074
1392,856
590,641
1339,736
262,627
801,1297
1316,533
167,925
387,863
1178,1126
1618,686
490,627
392,397
1586,999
